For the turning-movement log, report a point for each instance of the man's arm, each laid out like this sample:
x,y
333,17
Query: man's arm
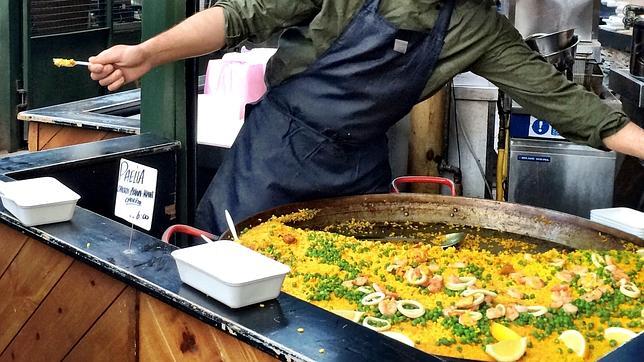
x,y
200,34
628,140
545,93
226,24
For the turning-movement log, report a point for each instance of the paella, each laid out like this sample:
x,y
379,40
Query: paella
x,y
516,302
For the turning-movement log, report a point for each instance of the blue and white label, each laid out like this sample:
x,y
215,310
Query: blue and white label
x,y
542,129
533,158
539,127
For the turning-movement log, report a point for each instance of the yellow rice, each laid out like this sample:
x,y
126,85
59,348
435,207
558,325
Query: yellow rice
x,y
372,258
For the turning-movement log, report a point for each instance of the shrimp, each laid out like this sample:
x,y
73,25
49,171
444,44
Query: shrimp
x,y
565,276
511,313
507,269
513,293
518,277
416,276
497,312
465,302
435,284
387,307
557,263
534,282
570,308
379,288
578,269
360,281
560,296
619,274
593,295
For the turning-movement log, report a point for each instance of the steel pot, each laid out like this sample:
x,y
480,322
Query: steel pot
x,y
395,213
548,44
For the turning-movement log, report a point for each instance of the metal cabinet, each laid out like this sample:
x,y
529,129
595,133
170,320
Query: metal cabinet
x,y
561,176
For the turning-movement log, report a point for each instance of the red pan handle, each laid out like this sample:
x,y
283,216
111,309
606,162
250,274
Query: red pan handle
x,y
185,229
422,179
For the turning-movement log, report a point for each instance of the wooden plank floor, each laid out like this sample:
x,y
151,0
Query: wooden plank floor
x,y
186,339
27,281
53,308
113,334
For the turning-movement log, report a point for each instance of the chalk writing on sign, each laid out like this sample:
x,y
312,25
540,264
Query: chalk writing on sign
x,y
135,193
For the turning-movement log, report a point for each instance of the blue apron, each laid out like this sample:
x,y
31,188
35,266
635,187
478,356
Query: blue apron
x,y
321,133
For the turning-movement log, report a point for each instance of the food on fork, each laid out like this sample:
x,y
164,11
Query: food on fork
x,y
62,62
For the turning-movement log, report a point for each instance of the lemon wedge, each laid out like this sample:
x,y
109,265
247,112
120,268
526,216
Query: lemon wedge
x,y
399,337
575,341
507,351
620,335
503,333
352,315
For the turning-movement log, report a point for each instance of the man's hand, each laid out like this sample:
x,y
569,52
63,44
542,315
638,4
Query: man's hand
x,y
628,140
202,33
119,65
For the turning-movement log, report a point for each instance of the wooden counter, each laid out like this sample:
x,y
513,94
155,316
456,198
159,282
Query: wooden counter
x,y
87,120
70,292
60,308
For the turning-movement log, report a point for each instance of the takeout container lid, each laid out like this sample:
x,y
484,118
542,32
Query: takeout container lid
x,y
230,272
622,218
230,262
38,201
38,192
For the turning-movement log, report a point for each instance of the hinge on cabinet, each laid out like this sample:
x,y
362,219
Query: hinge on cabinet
x,y
22,97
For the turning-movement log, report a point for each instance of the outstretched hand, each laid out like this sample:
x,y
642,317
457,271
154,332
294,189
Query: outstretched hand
x,y
119,65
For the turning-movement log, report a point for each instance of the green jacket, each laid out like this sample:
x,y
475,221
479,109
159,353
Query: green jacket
x,y
479,40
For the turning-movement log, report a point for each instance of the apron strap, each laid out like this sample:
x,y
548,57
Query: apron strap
x,y
372,6
444,16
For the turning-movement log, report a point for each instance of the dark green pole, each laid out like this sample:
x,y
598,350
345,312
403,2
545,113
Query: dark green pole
x,y
10,24
163,96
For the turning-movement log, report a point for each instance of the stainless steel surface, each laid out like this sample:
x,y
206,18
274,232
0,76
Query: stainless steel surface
x,y
589,50
475,103
452,239
448,240
548,16
561,176
90,113
406,212
102,113
550,43
622,82
564,59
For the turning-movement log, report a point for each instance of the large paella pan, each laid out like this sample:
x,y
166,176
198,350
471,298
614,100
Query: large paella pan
x,y
525,283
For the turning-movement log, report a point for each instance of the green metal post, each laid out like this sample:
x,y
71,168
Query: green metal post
x,y
10,23
163,96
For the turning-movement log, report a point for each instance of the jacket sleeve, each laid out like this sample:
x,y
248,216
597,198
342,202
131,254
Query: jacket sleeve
x,y
256,20
575,113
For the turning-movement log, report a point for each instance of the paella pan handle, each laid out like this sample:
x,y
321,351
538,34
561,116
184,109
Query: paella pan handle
x,y
422,179
185,229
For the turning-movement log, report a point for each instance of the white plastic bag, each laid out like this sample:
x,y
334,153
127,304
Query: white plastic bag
x,y
231,82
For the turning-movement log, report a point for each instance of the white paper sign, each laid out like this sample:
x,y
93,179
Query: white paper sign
x,y
135,193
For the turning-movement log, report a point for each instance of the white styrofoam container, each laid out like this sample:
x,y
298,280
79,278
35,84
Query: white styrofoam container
x,y
622,218
230,272
38,201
